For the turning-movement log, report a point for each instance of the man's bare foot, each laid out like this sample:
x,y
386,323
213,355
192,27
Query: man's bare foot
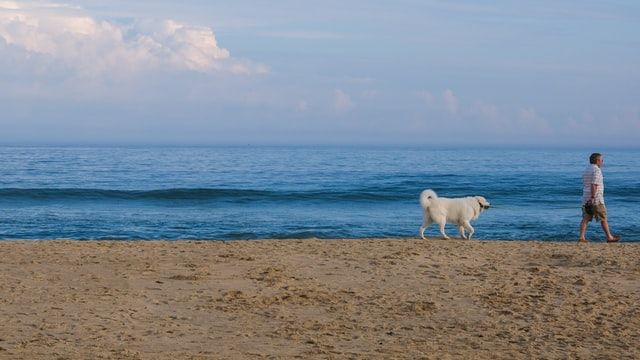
x,y
583,241
615,238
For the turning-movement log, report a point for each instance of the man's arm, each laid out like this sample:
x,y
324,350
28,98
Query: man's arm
x,y
594,190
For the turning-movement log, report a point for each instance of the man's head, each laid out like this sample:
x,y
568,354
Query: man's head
x,y
596,159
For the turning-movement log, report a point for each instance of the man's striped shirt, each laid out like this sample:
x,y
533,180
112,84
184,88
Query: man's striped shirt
x,y
592,175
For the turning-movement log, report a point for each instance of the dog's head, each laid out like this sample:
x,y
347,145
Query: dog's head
x,y
484,204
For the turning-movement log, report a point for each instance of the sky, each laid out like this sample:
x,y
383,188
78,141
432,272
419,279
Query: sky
x,y
290,72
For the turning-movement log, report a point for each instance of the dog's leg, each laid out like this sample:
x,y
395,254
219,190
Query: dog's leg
x,y
461,229
424,226
470,228
442,230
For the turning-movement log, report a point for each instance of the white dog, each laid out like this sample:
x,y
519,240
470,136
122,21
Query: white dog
x,y
459,211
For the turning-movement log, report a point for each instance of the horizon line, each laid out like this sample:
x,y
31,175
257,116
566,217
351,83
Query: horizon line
x,y
321,145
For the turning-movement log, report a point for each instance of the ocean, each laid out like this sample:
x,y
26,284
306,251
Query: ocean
x,y
276,192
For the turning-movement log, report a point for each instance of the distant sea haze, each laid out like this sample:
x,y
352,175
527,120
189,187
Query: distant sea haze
x,y
261,192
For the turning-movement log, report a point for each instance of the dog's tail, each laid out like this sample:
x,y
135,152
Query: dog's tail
x,y
426,196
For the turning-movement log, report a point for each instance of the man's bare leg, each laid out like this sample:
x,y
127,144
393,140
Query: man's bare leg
x,y
583,230
607,232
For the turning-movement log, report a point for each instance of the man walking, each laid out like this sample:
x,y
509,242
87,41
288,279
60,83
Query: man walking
x,y
593,198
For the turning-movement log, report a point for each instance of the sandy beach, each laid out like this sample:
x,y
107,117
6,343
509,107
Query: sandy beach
x,y
363,299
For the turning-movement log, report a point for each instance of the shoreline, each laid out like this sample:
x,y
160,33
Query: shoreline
x,y
318,298
390,238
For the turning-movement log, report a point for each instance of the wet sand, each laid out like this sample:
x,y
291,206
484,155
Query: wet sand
x,y
362,299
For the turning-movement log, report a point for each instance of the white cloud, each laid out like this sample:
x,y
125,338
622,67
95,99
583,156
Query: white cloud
x,y
528,119
485,117
489,115
447,102
342,101
9,5
450,102
95,47
625,120
491,118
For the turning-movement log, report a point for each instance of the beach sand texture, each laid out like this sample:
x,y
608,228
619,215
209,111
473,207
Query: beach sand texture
x,y
361,299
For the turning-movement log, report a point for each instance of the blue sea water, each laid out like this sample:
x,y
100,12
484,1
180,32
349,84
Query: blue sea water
x,y
257,192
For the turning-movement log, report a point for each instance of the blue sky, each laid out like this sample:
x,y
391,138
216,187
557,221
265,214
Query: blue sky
x,y
541,73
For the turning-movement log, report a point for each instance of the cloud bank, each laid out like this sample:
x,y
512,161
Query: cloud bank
x,y
95,47
342,101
